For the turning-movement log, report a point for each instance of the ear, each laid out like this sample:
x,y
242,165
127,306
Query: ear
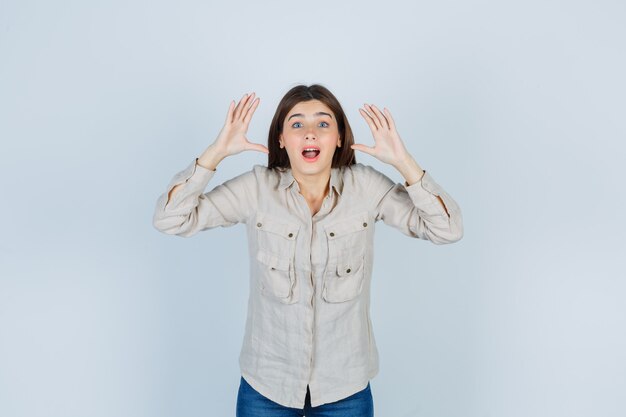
x,y
280,141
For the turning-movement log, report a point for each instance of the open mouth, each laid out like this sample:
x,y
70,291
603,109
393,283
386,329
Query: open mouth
x,y
310,153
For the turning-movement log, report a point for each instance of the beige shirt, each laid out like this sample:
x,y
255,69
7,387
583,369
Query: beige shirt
x,y
308,319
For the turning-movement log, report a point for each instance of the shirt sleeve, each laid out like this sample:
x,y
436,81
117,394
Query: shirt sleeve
x,y
415,209
190,211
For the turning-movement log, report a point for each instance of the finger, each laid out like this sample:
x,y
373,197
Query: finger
x,y
250,111
229,114
245,107
392,123
257,147
369,120
381,117
240,106
374,117
363,148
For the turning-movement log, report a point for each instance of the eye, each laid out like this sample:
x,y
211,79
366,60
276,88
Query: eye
x,y
326,124
296,123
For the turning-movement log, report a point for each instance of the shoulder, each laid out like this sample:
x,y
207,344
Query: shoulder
x,y
261,172
362,173
259,169
265,175
369,180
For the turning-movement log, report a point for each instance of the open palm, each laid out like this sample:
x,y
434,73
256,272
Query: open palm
x,y
388,147
232,138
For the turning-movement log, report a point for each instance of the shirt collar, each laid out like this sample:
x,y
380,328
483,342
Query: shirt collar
x,y
336,180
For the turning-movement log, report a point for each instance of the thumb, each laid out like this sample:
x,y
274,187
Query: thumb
x,y
258,147
367,149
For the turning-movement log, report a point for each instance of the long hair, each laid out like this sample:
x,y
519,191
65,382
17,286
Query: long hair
x,y
278,157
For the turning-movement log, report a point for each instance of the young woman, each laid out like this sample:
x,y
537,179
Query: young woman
x,y
308,347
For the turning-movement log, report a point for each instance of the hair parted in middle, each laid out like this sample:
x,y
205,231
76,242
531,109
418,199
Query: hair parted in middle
x,y
278,157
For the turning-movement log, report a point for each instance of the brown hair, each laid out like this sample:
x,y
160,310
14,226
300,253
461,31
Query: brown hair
x,y
278,157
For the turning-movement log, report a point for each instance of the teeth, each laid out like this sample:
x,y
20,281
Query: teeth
x,y
311,149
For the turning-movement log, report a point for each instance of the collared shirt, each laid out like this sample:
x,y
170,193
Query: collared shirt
x,y
308,319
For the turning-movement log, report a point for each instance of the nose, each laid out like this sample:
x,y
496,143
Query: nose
x,y
310,135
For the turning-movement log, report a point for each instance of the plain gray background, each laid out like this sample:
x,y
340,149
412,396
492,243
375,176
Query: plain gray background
x,y
515,108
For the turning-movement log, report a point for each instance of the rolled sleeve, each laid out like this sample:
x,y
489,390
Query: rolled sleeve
x,y
415,209
190,211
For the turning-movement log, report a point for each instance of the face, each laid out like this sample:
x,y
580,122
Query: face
x,y
310,124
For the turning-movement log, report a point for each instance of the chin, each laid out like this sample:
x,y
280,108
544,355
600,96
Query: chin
x,y
312,168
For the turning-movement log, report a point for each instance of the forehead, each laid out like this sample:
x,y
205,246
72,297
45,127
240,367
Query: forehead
x,y
309,108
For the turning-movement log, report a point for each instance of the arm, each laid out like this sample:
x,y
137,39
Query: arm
x,y
420,208
183,210
413,173
188,211
208,160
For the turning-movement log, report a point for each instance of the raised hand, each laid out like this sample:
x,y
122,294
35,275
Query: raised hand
x,y
232,138
388,147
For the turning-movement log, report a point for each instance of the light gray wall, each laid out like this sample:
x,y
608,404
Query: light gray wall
x,y
515,108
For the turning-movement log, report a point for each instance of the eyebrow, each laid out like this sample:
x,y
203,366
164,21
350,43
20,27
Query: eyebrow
x,y
319,113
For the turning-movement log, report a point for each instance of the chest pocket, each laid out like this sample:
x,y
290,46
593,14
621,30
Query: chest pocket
x,y
276,240
345,270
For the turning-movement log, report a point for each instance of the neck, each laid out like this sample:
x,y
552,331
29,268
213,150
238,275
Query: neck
x,y
313,186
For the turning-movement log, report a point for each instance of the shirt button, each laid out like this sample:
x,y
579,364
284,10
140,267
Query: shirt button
x,y
348,270
290,234
364,224
258,224
332,234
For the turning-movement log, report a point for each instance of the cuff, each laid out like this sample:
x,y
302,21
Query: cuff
x,y
197,177
193,172
424,191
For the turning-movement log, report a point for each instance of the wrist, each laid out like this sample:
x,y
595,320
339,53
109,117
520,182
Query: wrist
x,y
406,164
410,170
210,158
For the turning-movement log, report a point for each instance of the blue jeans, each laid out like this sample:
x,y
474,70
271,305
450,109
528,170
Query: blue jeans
x,y
250,403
